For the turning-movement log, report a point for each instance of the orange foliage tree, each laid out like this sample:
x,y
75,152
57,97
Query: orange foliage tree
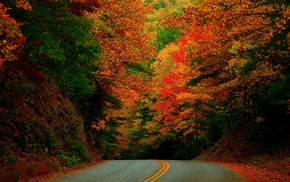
x,y
235,55
119,27
11,37
239,58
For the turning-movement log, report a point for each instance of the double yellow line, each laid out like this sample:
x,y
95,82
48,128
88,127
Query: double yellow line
x,y
164,166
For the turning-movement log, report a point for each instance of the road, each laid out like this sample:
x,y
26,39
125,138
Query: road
x,y
153,170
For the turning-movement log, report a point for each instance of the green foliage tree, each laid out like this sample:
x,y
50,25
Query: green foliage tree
x,y
60,44
94,108
159,4
166,35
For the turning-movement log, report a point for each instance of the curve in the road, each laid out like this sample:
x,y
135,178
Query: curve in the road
x,y
164,166
152,170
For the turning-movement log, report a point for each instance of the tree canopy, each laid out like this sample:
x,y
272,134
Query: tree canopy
x,y
156,75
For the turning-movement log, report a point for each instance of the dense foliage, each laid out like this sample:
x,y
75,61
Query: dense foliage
x,y
66,68
141,79
227,67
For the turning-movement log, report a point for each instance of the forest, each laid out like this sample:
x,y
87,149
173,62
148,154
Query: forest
x,y
85,80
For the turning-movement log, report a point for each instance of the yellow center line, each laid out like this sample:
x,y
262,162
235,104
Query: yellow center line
x,y
164,166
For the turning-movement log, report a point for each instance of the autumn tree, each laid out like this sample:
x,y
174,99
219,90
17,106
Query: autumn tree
x,y
12,38
237,60
235,53
126,53
119,25
60,44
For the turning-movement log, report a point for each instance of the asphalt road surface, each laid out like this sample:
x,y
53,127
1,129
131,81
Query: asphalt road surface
x,y
153,170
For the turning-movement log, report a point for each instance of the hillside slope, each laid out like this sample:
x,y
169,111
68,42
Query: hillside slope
x,y
248,152
40,130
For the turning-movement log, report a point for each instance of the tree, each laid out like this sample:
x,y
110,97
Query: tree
x,y
236,60
119,25
12,38
60,44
